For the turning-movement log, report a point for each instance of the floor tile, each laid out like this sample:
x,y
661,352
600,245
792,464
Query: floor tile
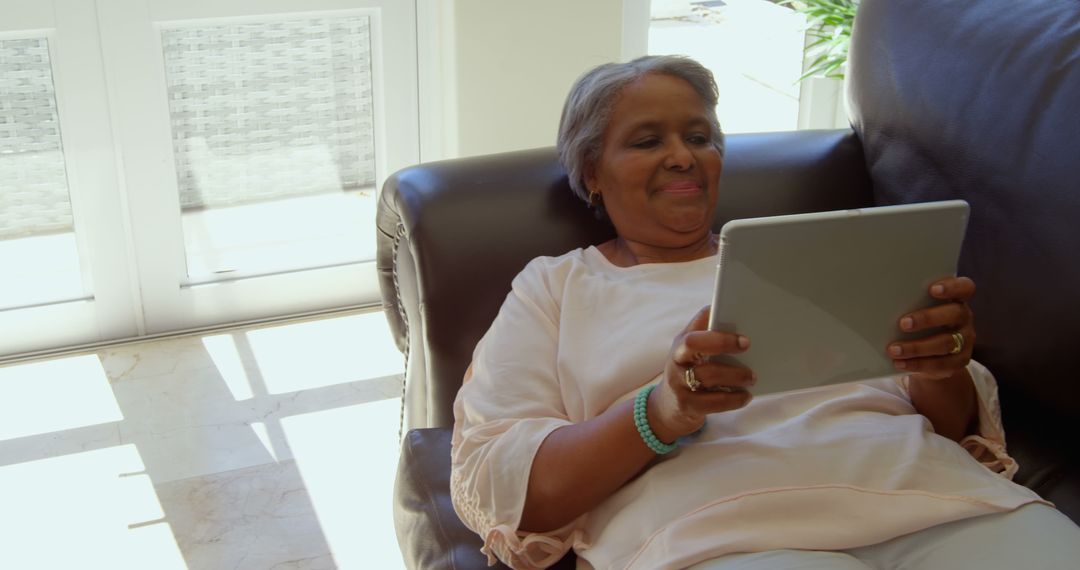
x,y
261,447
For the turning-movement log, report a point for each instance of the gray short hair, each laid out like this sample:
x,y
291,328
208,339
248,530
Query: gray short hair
x,y
587,109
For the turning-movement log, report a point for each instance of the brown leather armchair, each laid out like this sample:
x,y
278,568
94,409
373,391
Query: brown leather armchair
x,y
453,235
949,100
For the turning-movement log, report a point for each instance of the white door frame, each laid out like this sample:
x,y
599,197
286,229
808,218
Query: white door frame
x,y
130,32
109,309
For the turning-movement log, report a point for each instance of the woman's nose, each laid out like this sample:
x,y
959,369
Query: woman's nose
x,y
679,157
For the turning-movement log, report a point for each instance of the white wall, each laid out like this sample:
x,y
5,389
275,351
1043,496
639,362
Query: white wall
x,y
505,66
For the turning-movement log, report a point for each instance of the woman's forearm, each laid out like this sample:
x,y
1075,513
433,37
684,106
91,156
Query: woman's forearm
x,y
580,465
951,404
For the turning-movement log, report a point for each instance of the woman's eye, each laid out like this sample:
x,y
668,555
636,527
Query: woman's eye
x,y
646,143
698,139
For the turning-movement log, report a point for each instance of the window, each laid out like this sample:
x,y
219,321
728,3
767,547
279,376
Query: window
x,y
273,137
755,49
167,166
38,248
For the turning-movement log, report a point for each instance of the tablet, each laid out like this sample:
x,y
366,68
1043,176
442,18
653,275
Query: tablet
x,y
820,295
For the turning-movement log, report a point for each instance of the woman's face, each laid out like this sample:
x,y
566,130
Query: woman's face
x,y
658,170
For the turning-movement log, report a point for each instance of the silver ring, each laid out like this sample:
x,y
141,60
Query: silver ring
x,y
691,381
958,343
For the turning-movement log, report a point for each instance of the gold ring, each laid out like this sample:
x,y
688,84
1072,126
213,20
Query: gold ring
x,y
958,343
691,381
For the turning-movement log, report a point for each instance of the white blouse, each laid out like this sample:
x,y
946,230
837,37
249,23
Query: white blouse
x,y
827,468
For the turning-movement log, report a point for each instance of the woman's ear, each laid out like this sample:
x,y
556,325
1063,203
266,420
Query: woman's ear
x,y
592,185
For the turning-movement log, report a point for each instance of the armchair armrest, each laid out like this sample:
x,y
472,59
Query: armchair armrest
x,y
429,531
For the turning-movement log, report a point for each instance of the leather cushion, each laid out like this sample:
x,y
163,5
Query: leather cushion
x,y
978,100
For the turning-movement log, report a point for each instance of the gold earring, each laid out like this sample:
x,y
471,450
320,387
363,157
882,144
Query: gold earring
x,y
594,197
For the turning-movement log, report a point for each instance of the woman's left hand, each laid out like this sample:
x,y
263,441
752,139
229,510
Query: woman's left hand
x,y
946,353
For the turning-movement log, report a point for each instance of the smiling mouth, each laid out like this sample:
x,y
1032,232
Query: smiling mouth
x,y
681,187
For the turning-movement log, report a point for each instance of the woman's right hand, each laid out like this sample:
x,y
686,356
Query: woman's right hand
x,y
674,409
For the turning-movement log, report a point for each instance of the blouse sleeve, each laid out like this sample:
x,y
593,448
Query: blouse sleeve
x,y
503,412
987,445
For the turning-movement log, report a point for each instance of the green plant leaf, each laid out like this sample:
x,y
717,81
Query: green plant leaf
x,y
830,24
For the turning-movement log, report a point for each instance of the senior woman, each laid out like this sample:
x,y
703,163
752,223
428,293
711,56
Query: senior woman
x,y
578,425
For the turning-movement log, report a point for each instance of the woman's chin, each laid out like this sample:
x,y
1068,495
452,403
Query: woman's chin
x,y
688,222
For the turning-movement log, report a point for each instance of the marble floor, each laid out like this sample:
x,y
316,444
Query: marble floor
x,y
265,447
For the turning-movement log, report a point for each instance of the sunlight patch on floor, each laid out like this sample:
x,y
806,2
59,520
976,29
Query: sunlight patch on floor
x,y
95,508
55,395
323,353
347,459
223,351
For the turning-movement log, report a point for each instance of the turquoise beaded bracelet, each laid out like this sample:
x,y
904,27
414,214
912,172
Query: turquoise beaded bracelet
x,y
642,423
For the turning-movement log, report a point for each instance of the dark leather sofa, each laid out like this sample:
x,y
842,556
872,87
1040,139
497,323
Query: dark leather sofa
x,y
977,100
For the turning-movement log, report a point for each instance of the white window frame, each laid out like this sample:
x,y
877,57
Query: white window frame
x,y
131,44
108,311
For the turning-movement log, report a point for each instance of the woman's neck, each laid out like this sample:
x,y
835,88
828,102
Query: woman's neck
x,y
628,253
